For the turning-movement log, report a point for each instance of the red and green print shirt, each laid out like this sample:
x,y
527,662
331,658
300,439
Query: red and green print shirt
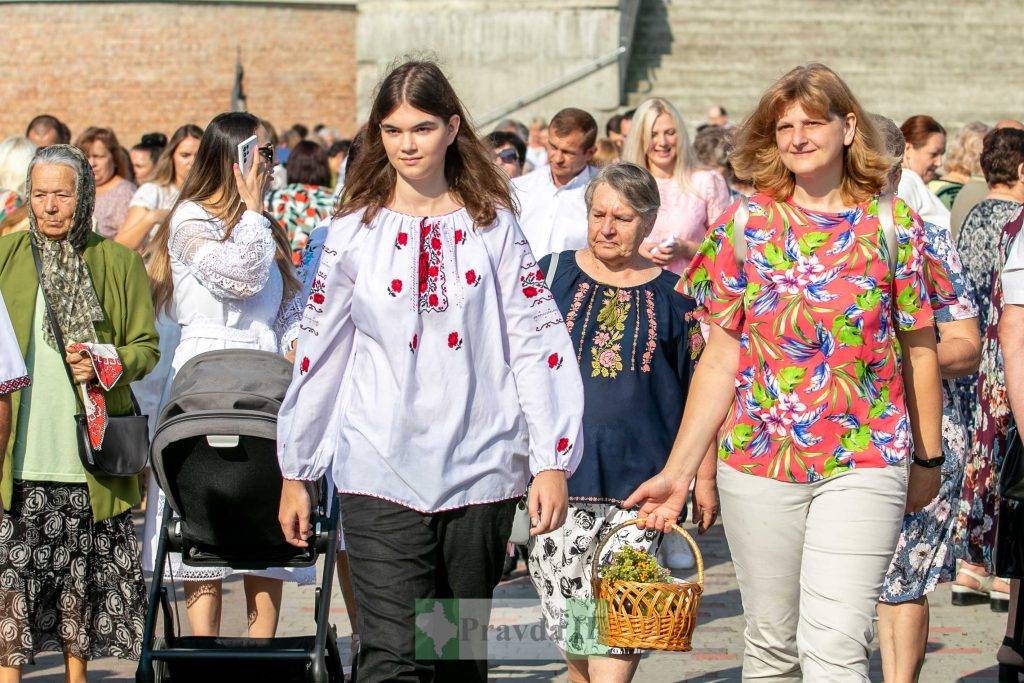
x,y
819,389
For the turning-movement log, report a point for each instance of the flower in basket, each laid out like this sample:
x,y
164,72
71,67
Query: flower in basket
x,y
638,566
633,564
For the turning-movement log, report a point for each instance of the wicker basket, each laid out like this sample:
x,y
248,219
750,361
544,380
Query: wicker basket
x,y
650,616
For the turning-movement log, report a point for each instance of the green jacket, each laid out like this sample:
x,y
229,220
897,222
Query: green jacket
x,y
122,286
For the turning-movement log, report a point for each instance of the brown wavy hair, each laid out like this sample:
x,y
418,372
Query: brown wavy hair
x,y
473,179
213,173
821,92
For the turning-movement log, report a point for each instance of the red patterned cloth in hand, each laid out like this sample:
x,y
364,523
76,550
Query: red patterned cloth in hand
x,y
107,366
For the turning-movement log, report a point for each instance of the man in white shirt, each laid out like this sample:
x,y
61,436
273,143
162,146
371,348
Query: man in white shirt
x,y
552,211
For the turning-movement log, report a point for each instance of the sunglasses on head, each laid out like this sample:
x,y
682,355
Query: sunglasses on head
x,y
507,156
267,152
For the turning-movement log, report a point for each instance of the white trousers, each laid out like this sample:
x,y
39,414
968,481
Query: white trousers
x,y
809,560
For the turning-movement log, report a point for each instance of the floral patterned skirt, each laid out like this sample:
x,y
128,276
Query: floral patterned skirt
x,y
67,583
926,550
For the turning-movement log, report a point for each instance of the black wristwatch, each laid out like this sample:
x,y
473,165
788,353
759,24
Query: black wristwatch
x,y
930,462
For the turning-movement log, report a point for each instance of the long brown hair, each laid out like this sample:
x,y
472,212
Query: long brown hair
x,y
213,173
821,92
473,179
163,174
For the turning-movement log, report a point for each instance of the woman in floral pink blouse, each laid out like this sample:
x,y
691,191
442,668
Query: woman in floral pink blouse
x,y
423,378
821,369
692,197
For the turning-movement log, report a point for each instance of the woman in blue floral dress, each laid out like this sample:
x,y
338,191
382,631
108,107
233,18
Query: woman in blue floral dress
x,y
925,554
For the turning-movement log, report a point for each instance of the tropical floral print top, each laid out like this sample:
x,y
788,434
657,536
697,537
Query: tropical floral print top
x,y
819,389
300,208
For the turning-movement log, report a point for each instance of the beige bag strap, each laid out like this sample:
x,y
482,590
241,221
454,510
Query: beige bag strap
x,y
739,239
888,223
552,267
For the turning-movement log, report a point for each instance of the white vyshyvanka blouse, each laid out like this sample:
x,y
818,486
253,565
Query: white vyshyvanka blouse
x,y
429,367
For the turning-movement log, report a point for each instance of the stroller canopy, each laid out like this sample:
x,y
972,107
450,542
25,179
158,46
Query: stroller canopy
x,y
229,392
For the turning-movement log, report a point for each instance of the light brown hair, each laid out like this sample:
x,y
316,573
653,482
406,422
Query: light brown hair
x,y
821,92
163,174
964,155
109,140
472,177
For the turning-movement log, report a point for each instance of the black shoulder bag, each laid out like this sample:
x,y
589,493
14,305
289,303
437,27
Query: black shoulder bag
x,y
125,448
1011,474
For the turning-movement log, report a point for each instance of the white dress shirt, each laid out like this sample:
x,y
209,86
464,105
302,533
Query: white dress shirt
x,y
918,197
429,366
553,218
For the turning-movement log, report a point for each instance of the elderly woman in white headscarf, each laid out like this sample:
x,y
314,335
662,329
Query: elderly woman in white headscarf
x,y
70,577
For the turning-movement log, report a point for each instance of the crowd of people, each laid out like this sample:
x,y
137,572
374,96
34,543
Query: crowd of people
x,y
795,321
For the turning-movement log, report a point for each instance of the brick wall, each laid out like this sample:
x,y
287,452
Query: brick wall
x,y
150,66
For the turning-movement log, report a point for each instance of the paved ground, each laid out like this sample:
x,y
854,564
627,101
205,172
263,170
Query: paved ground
x,y
961,645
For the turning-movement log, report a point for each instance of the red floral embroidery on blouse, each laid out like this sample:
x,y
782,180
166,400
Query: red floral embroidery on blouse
x,y
402,240
316,295
532,282
460,237
472,279
414,343
554,361
432,290
563,445
454,341
304,367
395,288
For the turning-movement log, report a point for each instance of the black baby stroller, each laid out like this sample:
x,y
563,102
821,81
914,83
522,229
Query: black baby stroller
x,y
214,456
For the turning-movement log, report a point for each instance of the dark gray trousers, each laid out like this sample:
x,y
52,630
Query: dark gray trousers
x,y
397,555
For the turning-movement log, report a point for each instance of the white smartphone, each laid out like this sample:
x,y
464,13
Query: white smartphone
x,y
668,242
246,155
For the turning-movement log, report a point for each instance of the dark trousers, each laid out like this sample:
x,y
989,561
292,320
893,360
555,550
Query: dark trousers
x,y
397,555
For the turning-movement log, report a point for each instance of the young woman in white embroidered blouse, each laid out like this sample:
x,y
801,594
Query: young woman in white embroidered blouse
x,y
223,271
423,375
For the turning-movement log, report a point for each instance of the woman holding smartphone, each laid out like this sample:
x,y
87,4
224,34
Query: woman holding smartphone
x,y
222,269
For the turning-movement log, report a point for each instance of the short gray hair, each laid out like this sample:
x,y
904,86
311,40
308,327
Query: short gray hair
x,y
85,189
634,184
891,135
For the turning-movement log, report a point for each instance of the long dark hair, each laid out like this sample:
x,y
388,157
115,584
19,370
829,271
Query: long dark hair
x,y
473,179
213,173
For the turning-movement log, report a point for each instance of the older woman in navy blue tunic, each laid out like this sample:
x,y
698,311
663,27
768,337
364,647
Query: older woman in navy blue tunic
x,y
636,344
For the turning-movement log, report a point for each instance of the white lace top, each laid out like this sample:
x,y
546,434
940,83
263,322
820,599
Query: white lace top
x,y
429,368
230,289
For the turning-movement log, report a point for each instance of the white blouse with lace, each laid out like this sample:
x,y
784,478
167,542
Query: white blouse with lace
x,y
429,369
228,294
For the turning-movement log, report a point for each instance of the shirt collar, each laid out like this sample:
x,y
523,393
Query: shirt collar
x,y
581,179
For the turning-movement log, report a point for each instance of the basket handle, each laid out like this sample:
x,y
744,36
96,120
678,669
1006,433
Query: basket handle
x,y
689,539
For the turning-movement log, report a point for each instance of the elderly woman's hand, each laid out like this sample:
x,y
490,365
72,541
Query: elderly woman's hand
x,y
81,366
705,503
548,502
